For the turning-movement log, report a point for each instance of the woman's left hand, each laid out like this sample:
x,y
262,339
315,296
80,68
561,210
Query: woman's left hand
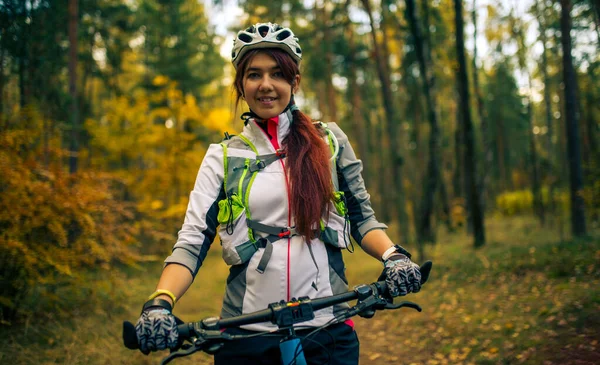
x,y
402,276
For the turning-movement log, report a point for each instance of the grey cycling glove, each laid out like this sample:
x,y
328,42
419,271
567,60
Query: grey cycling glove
x,y
156,329
402,276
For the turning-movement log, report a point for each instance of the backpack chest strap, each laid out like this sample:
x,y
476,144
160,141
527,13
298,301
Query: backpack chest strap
x,y
279,232
263,161
274,234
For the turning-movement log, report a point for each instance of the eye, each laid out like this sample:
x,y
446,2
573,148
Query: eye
x,y
253,75
278,74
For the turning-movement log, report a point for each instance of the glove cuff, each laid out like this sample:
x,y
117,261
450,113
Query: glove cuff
x,y
396,256
394,251
160,303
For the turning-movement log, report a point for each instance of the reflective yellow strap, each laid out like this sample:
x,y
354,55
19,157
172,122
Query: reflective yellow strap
x,y
247,141
246,194
247,203
241,181
225,167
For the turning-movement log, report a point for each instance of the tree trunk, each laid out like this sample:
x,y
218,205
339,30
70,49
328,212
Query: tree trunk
x,y
381,146
322,39
572,124
476,213
331,99
538,207
74,146
546,77
596,6
426,18
457,179
488,155
395,156
23,57
385,57
361,130
443,194
522,52
425,232
591,120
501,155
2,82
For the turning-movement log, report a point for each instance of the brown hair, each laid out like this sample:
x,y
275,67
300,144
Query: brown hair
x,y
307,154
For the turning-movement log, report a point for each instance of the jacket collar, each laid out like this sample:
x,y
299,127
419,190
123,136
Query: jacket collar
x,y
258,136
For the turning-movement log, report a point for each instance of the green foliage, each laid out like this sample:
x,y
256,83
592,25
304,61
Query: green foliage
x,y
591,191
508,125
33,45
155,143
54,225
179,44
521,201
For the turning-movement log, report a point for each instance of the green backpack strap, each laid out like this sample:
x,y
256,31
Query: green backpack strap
x,y
339,200
225,167
231,207
246,180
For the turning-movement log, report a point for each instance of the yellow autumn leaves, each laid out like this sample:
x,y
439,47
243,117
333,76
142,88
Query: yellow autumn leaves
x,y
526,298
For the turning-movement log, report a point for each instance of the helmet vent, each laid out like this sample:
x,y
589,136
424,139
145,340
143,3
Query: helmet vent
x,y
263,30
265,35
283,35
244,38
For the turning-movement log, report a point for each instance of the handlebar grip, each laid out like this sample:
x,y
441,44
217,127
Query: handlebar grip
x,y
130,339
184,331
130,336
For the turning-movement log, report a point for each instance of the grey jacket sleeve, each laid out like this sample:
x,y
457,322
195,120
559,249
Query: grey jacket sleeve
x,y
199,227
350,181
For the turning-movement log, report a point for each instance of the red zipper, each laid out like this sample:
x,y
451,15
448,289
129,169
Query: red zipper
x,y
287,186
275,144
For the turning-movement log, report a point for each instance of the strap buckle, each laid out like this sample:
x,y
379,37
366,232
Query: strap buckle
x,y
287,232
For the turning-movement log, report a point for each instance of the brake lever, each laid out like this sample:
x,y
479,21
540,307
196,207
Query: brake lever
x,y
180,353
209,341
407,304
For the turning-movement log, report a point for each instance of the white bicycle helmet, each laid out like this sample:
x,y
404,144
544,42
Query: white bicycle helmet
x,y
265,35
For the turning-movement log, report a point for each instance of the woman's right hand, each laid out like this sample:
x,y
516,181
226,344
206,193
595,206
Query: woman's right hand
x,y
156,330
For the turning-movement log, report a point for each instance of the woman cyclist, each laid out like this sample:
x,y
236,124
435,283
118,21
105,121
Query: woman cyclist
x,y
285,195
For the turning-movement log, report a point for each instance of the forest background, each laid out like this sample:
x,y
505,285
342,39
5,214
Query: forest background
x,y
486,163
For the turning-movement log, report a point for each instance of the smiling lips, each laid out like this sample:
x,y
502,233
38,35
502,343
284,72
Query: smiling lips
x,y
267,100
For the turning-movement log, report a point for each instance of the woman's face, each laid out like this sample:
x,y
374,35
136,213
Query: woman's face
x,y
266,90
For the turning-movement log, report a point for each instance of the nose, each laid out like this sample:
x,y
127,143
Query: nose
x,y
265,84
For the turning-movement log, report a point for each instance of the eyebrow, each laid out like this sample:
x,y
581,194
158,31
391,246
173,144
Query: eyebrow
x,y
260,69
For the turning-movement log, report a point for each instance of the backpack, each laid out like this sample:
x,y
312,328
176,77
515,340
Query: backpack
x,y
238,237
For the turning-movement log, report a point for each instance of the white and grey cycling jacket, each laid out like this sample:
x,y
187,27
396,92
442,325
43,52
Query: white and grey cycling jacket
x,y
293,271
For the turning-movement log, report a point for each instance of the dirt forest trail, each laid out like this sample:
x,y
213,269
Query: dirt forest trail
x,y
527,297
510,302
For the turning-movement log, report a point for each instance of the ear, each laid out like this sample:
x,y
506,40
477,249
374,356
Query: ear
x,y
296,84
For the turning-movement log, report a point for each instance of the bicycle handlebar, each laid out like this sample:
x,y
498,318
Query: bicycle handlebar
x,y
360,292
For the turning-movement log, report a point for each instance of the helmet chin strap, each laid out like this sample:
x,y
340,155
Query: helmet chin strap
x,y
291,105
